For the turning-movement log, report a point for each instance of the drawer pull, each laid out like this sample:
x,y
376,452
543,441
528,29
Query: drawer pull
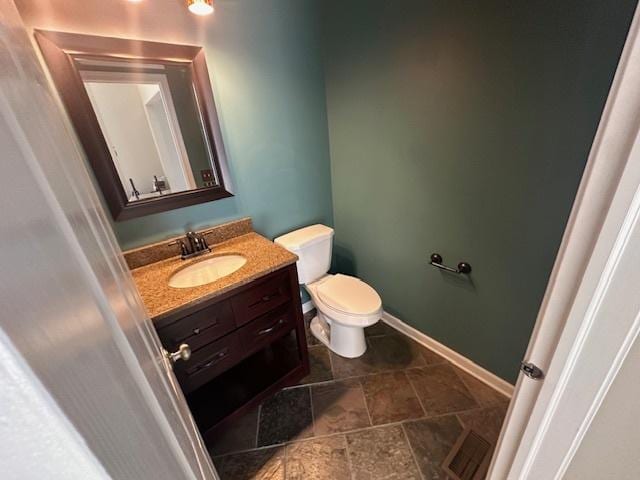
x,y
197,331
271,328
265,299
215,359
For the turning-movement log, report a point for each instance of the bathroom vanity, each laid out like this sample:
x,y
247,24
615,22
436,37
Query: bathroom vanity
x,y
245,330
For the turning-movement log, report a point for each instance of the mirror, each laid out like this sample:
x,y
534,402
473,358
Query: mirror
x,y
144,112
149,119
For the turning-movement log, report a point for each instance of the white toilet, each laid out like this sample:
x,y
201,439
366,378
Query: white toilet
x,y
345,305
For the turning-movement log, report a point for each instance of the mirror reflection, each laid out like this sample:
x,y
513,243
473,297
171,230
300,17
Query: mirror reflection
x,y
150,120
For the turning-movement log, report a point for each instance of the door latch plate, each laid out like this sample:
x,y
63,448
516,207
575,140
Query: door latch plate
x,y
531,370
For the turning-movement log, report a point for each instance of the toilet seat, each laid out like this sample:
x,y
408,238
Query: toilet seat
x,y
349,296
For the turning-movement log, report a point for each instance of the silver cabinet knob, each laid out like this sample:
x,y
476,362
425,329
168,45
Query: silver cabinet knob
x,y
183,353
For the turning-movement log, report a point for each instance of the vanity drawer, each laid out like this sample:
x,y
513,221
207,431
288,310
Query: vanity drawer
x,y
208,362
264,297
200,328
266,329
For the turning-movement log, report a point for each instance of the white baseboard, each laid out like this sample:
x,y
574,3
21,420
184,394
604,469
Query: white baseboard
x,y
308,306
454,357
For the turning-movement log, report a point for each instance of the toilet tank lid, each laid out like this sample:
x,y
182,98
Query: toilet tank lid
x,y
304,236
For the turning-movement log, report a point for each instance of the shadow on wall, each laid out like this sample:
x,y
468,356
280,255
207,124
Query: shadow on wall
x,y
464,282
343,261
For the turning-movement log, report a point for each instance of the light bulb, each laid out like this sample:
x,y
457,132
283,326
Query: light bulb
x,y
200,7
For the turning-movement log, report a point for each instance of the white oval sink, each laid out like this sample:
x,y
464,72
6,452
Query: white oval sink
x,y
206,271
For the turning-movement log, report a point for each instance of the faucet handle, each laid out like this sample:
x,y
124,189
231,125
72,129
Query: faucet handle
x,y
183,248
198,240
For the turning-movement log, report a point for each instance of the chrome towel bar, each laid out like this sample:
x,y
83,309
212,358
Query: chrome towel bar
x,y
463,267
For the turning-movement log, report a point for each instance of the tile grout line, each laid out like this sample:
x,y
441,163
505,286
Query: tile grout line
x,y
413,387
467,387
366,405
285,461
460,421
413,454
352,377
313,416
474,394
349,461
249,450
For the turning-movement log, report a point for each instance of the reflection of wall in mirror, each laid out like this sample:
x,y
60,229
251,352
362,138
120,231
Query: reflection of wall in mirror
x,y
123,121
181,86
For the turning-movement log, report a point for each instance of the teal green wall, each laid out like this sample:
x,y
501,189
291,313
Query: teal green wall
x,y
264,59
463,128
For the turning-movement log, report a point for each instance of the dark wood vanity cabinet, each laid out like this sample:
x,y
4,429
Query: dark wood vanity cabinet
x,y
246,344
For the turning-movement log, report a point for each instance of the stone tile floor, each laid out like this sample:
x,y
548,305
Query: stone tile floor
x,y
392,414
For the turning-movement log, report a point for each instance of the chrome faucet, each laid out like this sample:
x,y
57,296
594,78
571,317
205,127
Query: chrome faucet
x,y
193,245
159,185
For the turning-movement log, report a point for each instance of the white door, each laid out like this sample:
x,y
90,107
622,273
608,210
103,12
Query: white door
x,y
588,319
69,306
180,176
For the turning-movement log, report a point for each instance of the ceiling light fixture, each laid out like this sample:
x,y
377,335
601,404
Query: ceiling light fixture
x,y
200,7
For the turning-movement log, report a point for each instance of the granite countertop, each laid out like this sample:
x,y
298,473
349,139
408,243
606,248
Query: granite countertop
x,y
263,257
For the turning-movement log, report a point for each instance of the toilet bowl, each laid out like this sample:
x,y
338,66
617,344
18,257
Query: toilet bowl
x,y
345,304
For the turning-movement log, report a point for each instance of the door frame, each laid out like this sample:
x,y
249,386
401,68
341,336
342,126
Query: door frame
x,y
582,282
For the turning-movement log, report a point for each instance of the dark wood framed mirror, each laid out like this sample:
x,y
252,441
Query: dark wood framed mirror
x,y
145,115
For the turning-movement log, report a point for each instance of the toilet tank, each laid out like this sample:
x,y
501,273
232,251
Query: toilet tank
x,y
312,245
